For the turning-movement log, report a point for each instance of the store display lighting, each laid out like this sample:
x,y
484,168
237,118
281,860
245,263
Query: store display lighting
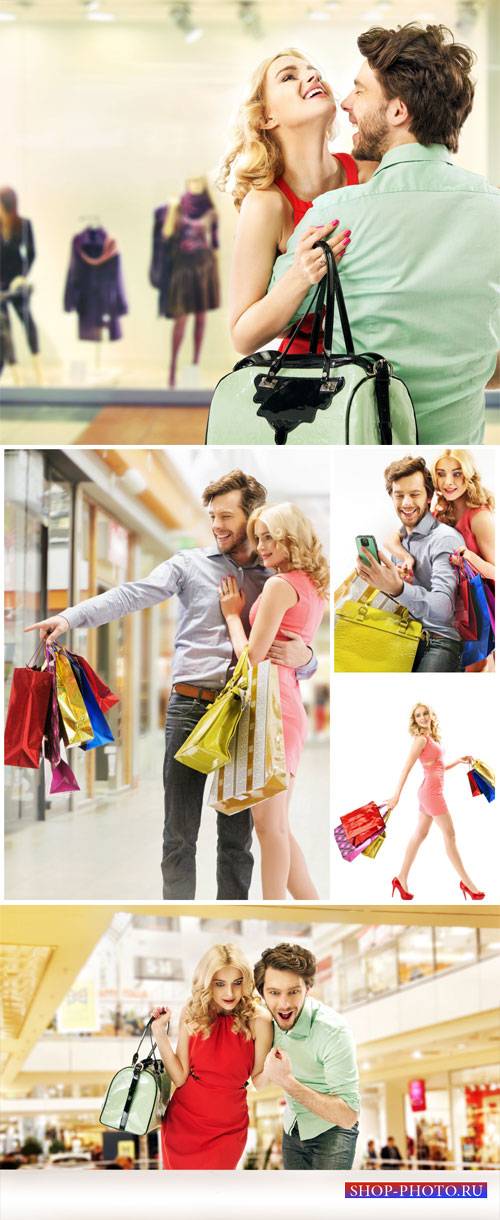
x,y
181,15
248,13
416,1055
7,16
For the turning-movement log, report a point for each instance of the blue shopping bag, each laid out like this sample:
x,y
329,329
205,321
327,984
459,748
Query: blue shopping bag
x,y
487,789
102,732
479,649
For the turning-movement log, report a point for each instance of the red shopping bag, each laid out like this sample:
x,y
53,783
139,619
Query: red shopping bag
x,y
465,615
103,694
473,786
360,823
26,716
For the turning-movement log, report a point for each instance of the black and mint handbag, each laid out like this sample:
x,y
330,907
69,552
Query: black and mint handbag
x,y
138,1095
316,399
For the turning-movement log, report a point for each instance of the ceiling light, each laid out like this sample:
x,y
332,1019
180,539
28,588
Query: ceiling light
x,y
181,15
248,13
416,1055
7,16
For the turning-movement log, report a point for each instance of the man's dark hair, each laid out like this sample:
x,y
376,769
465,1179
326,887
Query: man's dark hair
x,y
253,494
405,466
286,957
430,72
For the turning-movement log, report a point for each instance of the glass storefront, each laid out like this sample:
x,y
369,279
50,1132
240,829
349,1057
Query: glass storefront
x,y
364,969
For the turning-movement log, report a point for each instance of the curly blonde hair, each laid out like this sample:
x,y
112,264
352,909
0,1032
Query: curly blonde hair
x,y
290,526
413,726
254,158
477,496
201,1010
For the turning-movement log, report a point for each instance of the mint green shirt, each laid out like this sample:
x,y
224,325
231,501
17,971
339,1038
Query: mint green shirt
x,y
421,280
321,1049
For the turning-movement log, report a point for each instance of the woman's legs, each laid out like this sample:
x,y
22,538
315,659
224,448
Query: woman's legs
x,y
420,833
270,819
300,883
282,860
448,831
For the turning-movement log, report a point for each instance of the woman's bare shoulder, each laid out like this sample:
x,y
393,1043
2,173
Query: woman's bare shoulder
x,y
265,205
262,1019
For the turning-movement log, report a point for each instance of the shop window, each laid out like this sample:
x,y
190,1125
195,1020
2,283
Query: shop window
x,y
489,942
222,925
415,955
156,923
455,947
381,972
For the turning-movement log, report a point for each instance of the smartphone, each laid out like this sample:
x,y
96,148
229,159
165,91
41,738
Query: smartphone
x,y
367,541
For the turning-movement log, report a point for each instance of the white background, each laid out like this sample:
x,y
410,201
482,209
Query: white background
x,y
370,715
212,1196
361,504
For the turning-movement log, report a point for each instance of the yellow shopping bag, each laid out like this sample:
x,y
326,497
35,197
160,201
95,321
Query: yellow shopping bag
x,y
207,746
74,714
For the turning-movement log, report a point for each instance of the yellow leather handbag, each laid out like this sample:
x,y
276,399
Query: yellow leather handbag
x,y
207,746
369,640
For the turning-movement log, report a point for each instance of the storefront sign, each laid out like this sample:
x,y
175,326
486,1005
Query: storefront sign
x,y
416,1090
78,1012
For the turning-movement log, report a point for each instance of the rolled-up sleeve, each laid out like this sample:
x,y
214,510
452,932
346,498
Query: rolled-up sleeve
x,y
338,1055
163,582
436,604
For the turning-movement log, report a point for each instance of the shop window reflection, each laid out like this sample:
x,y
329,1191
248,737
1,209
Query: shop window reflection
x,y
415,955
24,604
455,947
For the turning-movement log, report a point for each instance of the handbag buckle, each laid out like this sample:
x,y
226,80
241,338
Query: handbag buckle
x,y
268,382
332,385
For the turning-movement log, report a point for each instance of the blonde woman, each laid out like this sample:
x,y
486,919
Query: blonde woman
x,y
277,164
292,600
424,729
224,1037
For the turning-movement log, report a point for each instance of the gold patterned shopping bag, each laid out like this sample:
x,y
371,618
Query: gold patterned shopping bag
x,y
257,767
74,714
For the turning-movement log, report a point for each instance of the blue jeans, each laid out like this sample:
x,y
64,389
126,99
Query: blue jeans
x,y
183,790
437,655
333,1149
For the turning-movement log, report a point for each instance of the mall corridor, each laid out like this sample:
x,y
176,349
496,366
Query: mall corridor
x,y
112,849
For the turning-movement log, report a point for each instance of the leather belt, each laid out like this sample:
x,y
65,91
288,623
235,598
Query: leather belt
x,y
195,692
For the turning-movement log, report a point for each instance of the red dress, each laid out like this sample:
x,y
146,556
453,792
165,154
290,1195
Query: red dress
x,y
206,1123
300,345
303,618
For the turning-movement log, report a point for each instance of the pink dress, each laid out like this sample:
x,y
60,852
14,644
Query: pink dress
x,y
304,619
430,794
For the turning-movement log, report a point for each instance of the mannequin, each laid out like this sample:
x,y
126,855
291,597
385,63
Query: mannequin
x,y
17,254
184,265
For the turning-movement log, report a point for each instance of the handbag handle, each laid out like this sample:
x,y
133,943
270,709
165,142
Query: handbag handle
x,y
152,1053
334,293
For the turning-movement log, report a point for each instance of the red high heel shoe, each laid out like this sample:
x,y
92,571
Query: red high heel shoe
x,y
476,896
396,885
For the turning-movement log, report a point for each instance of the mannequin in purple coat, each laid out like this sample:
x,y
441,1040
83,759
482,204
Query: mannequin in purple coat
x,y
94,285
183,264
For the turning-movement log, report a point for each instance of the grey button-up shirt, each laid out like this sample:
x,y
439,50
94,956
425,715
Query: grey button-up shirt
x,y
202,650
432,597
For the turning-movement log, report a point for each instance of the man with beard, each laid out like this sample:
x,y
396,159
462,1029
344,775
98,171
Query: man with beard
x,y
203,656
312,1059
421,277
432,595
